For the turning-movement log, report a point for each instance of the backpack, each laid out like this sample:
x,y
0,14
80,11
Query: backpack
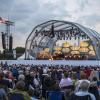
x,y
75,97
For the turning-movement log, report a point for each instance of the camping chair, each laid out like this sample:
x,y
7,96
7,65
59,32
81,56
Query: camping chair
x,y
55,95
16,96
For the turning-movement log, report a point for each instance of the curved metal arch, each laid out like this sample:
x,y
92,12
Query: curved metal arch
x,y
52,21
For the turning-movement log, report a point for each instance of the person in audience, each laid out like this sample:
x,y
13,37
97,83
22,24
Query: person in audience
x,y
83,77
21,77
87,71
83,92
66,85
94,73
49,85
3,94
65,82
42,78
94,90
33,94
20,88
74,78
4,83
15,71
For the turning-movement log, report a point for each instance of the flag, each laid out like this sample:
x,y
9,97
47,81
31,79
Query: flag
x,y
2,20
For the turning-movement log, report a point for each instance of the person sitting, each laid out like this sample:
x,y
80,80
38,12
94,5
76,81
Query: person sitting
x,y
33,94
3,95
83,77
83,93
65,82
66,85
49,85
21,77
94,90
4,83
95,81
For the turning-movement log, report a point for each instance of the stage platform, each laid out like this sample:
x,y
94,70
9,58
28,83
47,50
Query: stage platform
x,y
54,62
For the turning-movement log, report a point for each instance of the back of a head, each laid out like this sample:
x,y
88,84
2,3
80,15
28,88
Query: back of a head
x,y
66,75
83,76
94,78
94,90
84,85
49,81
21,77
20,85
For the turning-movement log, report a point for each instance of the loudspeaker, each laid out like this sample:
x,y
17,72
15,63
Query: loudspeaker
x,y
10,43
3,41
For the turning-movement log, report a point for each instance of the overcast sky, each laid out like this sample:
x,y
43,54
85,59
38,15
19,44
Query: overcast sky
x,y
28,13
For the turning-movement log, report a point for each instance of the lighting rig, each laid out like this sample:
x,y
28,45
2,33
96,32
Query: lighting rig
x,y
7,39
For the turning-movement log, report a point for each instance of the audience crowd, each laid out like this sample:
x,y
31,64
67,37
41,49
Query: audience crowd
x,y
35,82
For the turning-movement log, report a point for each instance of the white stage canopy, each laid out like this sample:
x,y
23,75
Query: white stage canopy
x,y
23,57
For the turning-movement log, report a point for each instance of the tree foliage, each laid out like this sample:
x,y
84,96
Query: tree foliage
x,y
20,49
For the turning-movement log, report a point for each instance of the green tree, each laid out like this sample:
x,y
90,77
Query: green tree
x,y
20,50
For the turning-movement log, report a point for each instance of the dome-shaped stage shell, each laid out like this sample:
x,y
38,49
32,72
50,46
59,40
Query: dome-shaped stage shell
x,y
65,35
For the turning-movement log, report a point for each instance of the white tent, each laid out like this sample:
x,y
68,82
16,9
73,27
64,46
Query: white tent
x,y
23,57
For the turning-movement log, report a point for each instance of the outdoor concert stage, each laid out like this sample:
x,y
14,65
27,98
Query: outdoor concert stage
x,y
61,43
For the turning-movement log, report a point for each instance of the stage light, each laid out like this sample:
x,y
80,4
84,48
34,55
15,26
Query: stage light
x,y
91,47
66,44
84,44
74,52
92,53
46,49
75,48
57,48
84,50
65,50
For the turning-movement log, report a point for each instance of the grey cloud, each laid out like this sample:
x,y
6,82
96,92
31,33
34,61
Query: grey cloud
x,y
5,6
91,20
28,13
83,4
